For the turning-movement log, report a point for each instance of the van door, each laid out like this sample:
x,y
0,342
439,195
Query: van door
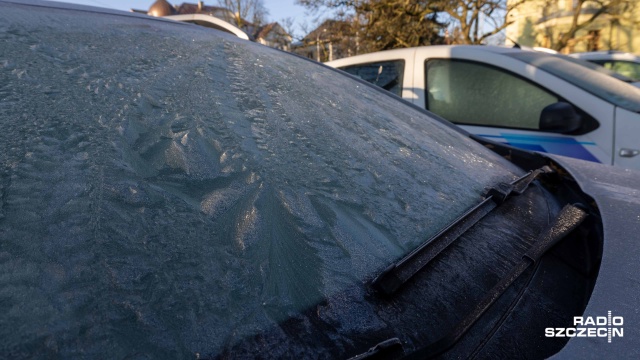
x,y
627,144
500,105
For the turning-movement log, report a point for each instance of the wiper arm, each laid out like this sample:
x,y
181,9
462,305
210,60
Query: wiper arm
x,y
570,217
396,275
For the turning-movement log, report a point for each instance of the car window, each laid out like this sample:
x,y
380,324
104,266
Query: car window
x,y
385,74
466,92
627,68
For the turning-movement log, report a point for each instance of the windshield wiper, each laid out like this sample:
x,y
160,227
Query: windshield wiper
x,y
570,217
388,349
396,275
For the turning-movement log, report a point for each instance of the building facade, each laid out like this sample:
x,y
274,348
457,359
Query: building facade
x,y
331,40
544,22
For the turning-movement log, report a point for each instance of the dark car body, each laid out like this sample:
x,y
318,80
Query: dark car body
x,y
171,191
616,193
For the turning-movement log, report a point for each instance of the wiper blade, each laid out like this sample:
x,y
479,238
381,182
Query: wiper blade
x,y
570,217
388,349
396,275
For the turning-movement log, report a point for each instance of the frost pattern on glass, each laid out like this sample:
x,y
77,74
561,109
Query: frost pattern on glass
x,y
171,190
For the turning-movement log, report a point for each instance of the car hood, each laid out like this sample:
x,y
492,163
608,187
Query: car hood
x,y
617,195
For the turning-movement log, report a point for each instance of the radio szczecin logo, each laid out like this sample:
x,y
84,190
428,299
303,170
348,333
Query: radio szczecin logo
x,y
590,326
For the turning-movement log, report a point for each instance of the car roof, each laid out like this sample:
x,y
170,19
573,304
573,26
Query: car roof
x,y
603,83
52,4
408,52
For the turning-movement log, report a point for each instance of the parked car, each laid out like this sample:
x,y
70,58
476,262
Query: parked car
x,y
528,99
623,63
172,191
588,64
211,22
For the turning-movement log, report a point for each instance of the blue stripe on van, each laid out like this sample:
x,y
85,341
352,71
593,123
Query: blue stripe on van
x,y
565,146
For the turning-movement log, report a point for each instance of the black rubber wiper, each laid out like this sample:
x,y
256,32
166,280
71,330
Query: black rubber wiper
x,y
396,275
570,217
386,350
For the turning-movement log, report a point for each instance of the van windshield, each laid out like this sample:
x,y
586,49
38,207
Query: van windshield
x,y
601,85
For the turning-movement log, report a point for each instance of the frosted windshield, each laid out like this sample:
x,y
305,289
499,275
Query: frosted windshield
x,y
164,181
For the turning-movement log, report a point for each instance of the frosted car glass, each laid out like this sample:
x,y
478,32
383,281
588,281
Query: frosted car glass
x,y
387,74
471,93
169,188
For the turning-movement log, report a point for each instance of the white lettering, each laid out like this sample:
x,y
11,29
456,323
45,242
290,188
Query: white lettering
x,y
577,320
591,326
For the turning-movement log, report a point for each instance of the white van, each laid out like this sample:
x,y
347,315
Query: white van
x,y
527,99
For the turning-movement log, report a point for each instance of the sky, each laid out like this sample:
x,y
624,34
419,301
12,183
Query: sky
x,y
278,9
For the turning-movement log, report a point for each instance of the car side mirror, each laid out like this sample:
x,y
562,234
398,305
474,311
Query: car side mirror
x,y
560,117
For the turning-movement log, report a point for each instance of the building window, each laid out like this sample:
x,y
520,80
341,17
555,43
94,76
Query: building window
x,y
593,40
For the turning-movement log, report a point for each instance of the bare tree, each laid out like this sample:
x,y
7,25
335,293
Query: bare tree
x,y
289,25
246,9
383,24
341,7
583,14
389,24
475,21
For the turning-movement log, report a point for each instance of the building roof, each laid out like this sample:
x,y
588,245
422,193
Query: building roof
x,y
200,8
161,8
263,31
273,27
329,28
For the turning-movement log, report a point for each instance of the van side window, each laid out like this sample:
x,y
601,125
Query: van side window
x,y
385,74
466,92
